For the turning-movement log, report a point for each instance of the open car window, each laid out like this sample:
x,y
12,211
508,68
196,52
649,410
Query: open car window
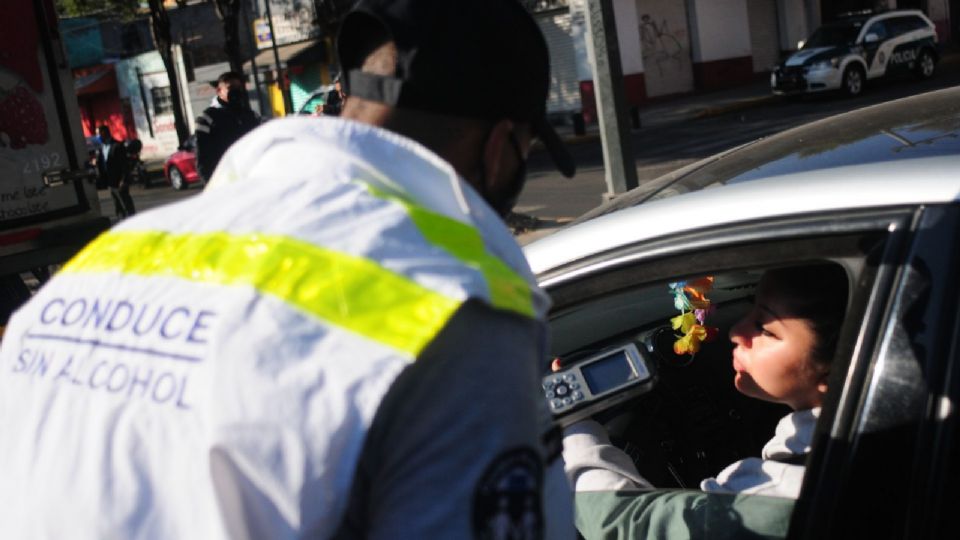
x,y
692,423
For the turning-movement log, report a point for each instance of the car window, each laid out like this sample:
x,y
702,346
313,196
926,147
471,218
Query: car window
x,y
909,23
833,35
879,28
693,424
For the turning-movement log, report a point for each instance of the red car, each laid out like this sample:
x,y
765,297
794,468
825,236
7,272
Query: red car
x,y
180,169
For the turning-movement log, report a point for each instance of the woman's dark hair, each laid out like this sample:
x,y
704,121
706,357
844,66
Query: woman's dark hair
x,y
817,293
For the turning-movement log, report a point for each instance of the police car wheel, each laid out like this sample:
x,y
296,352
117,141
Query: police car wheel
x,y
926,66
853,81
176,179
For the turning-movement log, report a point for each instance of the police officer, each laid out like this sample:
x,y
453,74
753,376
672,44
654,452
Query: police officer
x,y
223,123
338,338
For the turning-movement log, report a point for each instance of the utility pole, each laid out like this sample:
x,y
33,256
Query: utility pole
x,y
245,7
287,106
618,162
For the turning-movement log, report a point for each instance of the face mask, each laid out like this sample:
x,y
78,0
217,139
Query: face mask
x,y
236,97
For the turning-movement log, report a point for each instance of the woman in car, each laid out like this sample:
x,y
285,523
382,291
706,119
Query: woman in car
x,y
782,354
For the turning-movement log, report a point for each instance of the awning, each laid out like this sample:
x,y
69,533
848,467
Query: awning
x,y
94,80
314,54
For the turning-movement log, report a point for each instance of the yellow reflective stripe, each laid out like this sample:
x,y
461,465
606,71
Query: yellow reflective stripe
x,y
508,290
347,291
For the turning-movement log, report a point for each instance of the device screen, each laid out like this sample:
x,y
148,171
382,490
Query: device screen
x,y
608,373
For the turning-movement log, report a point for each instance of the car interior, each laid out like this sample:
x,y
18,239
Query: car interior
x,y
692,422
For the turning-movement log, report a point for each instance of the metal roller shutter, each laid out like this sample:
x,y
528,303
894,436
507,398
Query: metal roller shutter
x,y
564,86
764,34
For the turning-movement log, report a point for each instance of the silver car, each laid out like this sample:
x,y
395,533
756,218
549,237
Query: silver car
x,y
876,192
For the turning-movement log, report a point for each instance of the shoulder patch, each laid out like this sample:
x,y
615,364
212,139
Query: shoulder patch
x,y
507,501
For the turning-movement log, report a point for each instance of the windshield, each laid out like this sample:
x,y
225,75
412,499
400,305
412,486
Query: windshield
x,y
833,35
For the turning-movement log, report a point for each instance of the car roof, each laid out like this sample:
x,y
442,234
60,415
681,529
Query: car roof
x,y
867,15
926,125
926,180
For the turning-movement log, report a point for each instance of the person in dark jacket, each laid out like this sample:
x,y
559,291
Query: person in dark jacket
x,y
333,104
114,170
223,123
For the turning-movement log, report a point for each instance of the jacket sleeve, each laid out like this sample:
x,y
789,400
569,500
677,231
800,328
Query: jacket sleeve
x,y
592,463
207,152
456,448
676,514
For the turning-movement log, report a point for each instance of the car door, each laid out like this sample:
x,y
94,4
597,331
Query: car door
x,y
599,301
877,48
884,469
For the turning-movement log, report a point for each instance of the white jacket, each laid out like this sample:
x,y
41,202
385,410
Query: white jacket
x,y
331,336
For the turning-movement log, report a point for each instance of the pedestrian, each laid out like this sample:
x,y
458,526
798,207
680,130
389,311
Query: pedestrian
x,y
338,338
114,170
333,104
783,349
227,119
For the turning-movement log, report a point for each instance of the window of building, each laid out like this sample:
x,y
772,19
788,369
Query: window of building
x,y
162,101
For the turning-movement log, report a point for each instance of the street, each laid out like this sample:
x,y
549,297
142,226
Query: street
x,y
668,141
662,148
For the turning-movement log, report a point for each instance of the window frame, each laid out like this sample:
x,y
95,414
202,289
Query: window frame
x,y
157,99
768,243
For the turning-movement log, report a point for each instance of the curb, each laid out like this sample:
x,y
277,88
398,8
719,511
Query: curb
x,y
694,114
739,105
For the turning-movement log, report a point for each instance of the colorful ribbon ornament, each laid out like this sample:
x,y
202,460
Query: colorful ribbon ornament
x,y
690,297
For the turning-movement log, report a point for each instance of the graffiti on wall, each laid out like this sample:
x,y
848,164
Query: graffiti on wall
x,y
662,47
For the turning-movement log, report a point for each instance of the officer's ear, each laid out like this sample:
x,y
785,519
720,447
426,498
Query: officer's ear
x,y
498,160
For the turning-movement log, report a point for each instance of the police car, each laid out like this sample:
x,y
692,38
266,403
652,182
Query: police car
x,y
845,53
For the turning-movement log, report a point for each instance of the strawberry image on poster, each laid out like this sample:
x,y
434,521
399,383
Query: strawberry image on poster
x,y
19,42
22,121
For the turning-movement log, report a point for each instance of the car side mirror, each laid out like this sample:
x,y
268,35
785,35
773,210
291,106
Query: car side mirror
x,y
871,38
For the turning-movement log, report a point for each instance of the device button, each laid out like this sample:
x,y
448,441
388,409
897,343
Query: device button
x,y
574,386
567,401
568,377
557,403
557,380
548,385
577,396
550,394
561,390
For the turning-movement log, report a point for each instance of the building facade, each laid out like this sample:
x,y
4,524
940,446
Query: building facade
x,y
671,47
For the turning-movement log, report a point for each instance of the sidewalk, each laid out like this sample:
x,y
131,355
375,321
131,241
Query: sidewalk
x,y
686,107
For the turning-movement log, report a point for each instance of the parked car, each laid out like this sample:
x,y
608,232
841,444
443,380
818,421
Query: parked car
x,y
844,54
317,97
180,169
880,200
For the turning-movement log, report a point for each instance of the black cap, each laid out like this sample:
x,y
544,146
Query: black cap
x,y
482,59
